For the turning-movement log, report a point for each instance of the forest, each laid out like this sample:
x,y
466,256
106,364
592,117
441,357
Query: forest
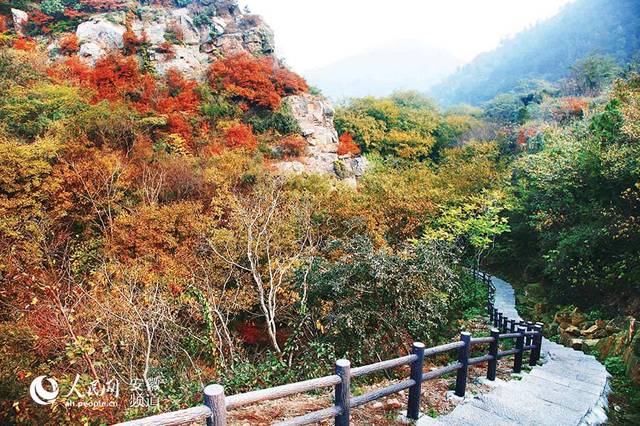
x,y
548,50
145,233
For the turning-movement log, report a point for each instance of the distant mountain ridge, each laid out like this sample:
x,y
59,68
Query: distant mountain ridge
x,y
403,65
546,51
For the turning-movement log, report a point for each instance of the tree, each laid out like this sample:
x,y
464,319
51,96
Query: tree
x,y
591,75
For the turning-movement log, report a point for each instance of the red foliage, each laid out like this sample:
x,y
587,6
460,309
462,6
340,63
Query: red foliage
x,y
131,41
3,24
250,333
179,124
288,82
69,44
74,14
571,108
25,44
240,136
292,146
256,80
39,18
167,48
73,69
103,5
116,76
347,146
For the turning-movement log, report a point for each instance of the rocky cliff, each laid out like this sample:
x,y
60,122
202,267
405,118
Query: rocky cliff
x,y
189,39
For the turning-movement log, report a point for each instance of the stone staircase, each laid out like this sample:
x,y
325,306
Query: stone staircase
x,y
570,388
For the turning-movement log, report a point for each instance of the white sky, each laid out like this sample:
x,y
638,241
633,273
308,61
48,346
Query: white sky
x,y
314,33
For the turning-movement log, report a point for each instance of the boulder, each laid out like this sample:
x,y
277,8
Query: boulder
x,y
259,40
577,317
576,344
188,60
184,21
91,52
20,19
102,31
573,330
589,331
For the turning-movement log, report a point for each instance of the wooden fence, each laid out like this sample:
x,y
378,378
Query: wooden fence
x,y
527,337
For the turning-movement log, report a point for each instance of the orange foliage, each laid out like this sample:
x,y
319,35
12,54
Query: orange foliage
x,y
256,80
69,44
115,76
288,82
292,146
130,41
167,48
72,69
40,19
103,5
3,24
347,146
571,108
73,14
24,44
240,136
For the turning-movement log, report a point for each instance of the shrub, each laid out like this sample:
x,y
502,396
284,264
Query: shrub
x,y
292,146
256,80
240,136
52,7
347,146
69,44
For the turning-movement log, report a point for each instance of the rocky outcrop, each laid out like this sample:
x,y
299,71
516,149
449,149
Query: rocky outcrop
x,y
315,118
189,39
20,19
197,34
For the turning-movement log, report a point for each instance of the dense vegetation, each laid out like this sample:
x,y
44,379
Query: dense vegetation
x,y
143,233
548,50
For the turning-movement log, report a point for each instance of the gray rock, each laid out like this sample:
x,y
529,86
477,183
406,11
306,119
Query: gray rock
x,y
91,52
20,19
102,32
188,60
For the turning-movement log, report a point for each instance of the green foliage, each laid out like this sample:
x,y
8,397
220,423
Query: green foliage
x,y
506,108
575,201
281,121
548,50
374,296
402,125
52,7
591,75
29,112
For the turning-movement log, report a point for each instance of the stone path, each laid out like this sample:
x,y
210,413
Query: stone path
x,y
570,388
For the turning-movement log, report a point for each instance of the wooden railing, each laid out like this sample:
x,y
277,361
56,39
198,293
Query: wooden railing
x,y
527,336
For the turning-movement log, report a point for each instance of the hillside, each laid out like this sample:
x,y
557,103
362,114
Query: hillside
x,y
546,51
380,72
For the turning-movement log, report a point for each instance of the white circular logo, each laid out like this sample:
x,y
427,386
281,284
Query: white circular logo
x,y
39,394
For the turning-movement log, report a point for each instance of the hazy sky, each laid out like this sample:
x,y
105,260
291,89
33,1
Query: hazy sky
x,y
314,33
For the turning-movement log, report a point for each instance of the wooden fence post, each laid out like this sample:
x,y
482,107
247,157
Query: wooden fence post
x,y
343,392
537,341
493,351
463,358
491,312
517,360
529,339
512,326
214,399
499,322
505,322
413,409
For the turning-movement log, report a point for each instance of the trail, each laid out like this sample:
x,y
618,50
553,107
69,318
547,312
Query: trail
x,y
570,388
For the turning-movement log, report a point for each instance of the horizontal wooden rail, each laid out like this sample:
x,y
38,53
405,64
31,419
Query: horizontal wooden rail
x,y
311,418
383,365
277,392
481,340
190,415
528,337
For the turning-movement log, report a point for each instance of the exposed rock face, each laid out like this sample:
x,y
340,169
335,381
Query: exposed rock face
x,y
198,35
20,18
315,117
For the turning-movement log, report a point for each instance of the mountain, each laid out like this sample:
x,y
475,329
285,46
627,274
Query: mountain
x,y
379,72
547,50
